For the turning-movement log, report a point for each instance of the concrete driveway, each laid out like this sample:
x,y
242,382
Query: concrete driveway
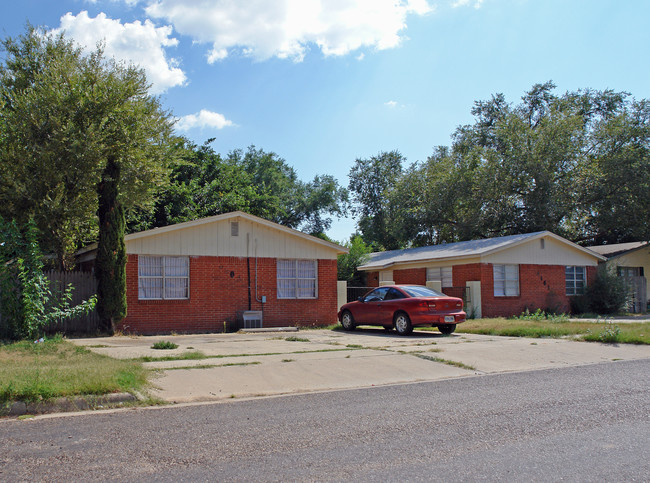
x,y
263,364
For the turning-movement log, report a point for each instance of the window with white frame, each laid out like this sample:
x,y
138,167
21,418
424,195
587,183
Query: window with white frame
x,y
163,278
576,280
297,279
506,280
440,274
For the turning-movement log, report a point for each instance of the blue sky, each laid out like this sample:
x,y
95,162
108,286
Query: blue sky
x,y
324,82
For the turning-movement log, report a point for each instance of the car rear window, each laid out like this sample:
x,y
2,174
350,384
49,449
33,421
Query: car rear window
x,y
417,291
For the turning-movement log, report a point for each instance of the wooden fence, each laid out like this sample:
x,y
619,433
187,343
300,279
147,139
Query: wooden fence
x,y
85,286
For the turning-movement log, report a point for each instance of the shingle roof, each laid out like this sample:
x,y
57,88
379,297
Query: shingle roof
x,y
456,250
617,248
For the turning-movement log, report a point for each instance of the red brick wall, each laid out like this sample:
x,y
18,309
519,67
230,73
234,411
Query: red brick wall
x,y
412,276
216,297
540,286
373,279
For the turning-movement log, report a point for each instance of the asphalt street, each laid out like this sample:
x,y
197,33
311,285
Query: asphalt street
x,y
587,423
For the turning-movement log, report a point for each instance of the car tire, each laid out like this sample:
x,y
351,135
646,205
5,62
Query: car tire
x,y
447,328
402,323
347,321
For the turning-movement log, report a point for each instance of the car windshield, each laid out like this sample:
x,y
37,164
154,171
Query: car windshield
x,y
417,291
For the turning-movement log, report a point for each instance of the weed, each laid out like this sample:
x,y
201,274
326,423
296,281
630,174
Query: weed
x,y
354,346
296,339
164,344
444,361
610,334
288,360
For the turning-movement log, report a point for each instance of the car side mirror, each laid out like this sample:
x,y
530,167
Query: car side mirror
x,y
361,299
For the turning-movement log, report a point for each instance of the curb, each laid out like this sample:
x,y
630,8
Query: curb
x,y
64,404
269,329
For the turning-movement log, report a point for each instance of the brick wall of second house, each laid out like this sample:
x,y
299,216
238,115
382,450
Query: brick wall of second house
x,y
219,289
540,286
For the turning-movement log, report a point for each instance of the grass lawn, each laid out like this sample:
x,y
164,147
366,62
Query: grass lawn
x,y
628,333
54,368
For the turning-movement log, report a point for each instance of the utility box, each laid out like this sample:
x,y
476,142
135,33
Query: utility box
x,y
249,319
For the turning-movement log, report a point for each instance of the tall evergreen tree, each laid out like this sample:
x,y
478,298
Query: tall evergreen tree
x,y
110,264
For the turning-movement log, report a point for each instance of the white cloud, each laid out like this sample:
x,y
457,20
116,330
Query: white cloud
x,y
464,3
391,104
287,28
140,43
203,119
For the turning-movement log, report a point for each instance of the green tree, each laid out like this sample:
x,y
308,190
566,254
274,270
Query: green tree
x,y
347,263
63,113
576,164
371,182
258,182
110,264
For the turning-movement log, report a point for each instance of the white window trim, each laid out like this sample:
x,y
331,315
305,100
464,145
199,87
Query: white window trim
x,y
296,278
163,277
505,280
574,280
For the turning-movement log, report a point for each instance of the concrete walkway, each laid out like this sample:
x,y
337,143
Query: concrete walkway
x,y
263,364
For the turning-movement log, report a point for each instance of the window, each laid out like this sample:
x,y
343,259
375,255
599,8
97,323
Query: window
x,y
576,278
377,295
506,280
440,274
163,278
386,276
297,279
629,271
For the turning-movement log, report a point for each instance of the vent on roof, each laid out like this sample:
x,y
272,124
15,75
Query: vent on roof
x,y
541,243
234,228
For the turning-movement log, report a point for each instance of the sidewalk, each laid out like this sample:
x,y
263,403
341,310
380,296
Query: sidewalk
x,y
264,364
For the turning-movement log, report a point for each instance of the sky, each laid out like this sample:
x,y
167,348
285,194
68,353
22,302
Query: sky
x,y
325,82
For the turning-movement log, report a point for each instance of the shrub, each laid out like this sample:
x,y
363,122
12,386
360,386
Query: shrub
x,y
608,293
27,302
164,344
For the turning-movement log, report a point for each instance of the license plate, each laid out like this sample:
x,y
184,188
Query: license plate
x,y
449,318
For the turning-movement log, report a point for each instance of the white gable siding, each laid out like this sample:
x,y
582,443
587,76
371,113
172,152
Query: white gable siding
x,y
532,253
214,239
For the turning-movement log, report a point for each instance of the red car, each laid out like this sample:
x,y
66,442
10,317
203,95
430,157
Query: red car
x,y
403,307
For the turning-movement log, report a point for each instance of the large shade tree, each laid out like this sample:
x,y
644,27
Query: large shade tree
x,y
576,164
203,183
63,114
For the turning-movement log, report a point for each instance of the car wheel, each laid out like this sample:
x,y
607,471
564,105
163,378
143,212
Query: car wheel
x,y
402,324
447,328
347,321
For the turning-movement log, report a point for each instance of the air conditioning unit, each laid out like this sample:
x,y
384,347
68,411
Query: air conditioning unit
x,y
250,319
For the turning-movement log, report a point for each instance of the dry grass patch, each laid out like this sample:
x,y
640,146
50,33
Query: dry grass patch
x,y
57,368
628,333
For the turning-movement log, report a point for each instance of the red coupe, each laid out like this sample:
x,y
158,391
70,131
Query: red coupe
x,y
403,307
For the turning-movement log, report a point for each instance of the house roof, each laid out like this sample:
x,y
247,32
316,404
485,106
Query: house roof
x,y
616,249
459,250
225,216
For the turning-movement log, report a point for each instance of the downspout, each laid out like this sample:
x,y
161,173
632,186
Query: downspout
x,y
248,269
256,296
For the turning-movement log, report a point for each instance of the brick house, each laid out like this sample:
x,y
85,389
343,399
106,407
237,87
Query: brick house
x,y
202,275
498,276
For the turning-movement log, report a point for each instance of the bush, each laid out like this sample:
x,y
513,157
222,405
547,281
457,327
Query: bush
x,y
608,294
27,302
164,344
